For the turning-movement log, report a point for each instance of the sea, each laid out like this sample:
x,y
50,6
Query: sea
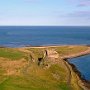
x,y
19,36
83,65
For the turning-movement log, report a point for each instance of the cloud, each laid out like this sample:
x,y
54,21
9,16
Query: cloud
x,y
80,14
74,14
80,3
83,3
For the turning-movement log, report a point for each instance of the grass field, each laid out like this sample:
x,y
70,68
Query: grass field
x,y
10,53
18,72
35,80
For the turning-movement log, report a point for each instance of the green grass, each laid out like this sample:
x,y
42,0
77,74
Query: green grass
x,y
36,77
66,50
32,83
10,53
64,86
62,50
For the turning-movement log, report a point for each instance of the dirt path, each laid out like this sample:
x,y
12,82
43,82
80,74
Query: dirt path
x,y
69,72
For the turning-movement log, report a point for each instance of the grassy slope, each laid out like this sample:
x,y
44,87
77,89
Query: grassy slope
x,y
10,53
36,77
32,83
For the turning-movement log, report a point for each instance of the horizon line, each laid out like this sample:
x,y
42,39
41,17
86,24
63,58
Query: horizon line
x,y
45,25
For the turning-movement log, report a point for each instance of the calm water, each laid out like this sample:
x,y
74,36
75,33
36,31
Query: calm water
x,y
22,36
83,65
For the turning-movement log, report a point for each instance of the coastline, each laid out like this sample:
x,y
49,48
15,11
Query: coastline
x,y
48,45
82,82
85,84
72,68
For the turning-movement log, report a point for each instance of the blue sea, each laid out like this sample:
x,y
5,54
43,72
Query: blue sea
x,y
18,36
83,65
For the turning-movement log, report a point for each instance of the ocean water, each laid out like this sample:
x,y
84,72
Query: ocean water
x,y
83,65
16,36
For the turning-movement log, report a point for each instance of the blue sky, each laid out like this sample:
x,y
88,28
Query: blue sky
x,y
45,12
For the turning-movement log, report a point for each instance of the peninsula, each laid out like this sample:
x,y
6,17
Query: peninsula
x,y
41,68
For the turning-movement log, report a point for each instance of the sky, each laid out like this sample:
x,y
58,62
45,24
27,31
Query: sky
x,y
45,12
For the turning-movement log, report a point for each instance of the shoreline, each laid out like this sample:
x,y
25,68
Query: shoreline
x,y
79,74
81,80
48,45
71,66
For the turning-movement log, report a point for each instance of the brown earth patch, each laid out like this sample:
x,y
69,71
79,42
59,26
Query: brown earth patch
x,y
12,67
